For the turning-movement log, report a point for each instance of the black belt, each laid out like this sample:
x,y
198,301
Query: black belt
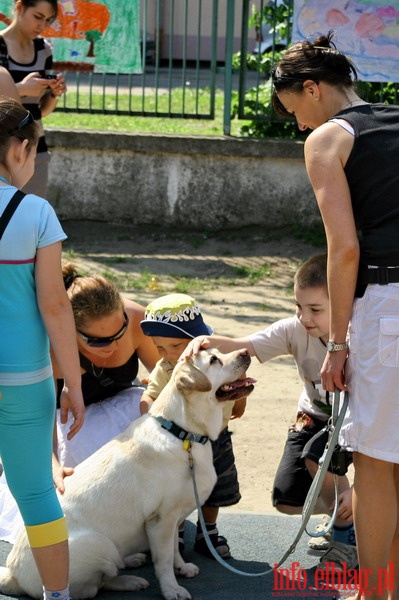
x,y
379,275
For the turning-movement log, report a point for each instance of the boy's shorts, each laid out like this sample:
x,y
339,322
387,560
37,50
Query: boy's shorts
x,y
226,491
306,439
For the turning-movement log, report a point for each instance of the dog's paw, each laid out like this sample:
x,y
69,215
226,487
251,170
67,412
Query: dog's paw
x,y
187,570
133,561
176,593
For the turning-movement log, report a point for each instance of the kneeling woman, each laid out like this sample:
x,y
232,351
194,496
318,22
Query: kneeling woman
x,y
111,343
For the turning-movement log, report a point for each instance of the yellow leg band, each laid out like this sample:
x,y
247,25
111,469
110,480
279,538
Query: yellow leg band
x,y
47,534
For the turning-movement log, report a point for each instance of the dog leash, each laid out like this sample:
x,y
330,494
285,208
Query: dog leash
x,y
334,426
335,423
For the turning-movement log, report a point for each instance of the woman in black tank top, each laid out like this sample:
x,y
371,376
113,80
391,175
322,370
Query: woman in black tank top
x,y
353,169
111,346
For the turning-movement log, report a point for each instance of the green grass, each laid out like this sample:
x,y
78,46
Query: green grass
x,y
147,281
313,235
178,103
253,274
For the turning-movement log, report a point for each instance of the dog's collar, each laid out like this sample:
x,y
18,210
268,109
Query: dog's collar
x,y
180,433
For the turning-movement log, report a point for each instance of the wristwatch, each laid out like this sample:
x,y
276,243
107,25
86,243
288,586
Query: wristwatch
x,y
333,347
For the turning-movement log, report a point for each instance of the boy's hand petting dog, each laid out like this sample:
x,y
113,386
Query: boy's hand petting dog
x,y
193,348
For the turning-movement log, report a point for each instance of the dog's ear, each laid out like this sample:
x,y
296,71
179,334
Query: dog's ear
x,y
189,377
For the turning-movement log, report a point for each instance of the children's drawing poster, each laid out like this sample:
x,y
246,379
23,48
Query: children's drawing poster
x,y
366,30
92,35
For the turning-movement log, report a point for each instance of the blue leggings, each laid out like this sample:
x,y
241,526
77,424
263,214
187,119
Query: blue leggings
x,y
26,441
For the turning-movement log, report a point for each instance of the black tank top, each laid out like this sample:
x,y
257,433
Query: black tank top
x,y
373,177
99,384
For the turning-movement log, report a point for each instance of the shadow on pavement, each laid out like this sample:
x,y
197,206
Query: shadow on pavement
x,y
257,543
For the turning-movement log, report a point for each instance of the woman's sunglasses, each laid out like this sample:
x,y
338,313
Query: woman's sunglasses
x,y
279,79
23,123
102,342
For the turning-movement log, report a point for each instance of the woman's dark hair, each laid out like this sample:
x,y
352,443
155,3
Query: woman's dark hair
x,y
12,117
32,3
319,61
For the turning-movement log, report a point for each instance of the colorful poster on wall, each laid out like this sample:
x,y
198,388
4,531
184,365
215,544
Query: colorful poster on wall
x,y
367,30
92,35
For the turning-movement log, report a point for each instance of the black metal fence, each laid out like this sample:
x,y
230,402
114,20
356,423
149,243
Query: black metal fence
x,y
167,87
187,87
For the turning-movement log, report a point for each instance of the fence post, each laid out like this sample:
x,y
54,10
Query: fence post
x,y
242,86
228,66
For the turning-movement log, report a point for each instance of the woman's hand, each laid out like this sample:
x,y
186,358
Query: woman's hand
x,y
72,400
333,371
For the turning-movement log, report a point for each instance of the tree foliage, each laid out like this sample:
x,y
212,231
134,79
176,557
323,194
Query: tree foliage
x,y
257,108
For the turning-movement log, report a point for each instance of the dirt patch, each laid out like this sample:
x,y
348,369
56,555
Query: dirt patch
x,y
245,272
243,282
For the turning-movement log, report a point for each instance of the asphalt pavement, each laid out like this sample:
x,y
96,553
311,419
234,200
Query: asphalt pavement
x,y
257,542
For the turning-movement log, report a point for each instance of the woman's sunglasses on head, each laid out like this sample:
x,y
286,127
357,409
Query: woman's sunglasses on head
x,y
102,342
23,123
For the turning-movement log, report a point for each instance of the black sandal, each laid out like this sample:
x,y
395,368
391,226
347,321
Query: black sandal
x,y
219,542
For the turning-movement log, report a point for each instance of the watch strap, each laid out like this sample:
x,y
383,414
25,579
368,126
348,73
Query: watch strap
x,y
333,347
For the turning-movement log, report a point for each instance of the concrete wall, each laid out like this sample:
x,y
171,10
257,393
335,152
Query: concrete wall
x,y
193,183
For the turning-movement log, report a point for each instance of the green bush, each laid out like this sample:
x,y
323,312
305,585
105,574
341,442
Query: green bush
x,y
255,62
257,106
262,120
278,17
257,101
378,92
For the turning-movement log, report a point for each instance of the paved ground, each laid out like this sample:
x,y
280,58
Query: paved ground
x,y
257,543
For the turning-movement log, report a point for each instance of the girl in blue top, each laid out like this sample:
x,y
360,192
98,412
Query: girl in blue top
x,y
34,312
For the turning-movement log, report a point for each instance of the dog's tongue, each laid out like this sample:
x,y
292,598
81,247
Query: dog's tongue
x,y
241,383
244,382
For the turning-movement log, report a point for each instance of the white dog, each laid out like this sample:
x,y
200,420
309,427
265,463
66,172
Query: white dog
x,y
130,495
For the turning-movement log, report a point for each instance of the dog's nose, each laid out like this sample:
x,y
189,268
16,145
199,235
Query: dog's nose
x,y
245,357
